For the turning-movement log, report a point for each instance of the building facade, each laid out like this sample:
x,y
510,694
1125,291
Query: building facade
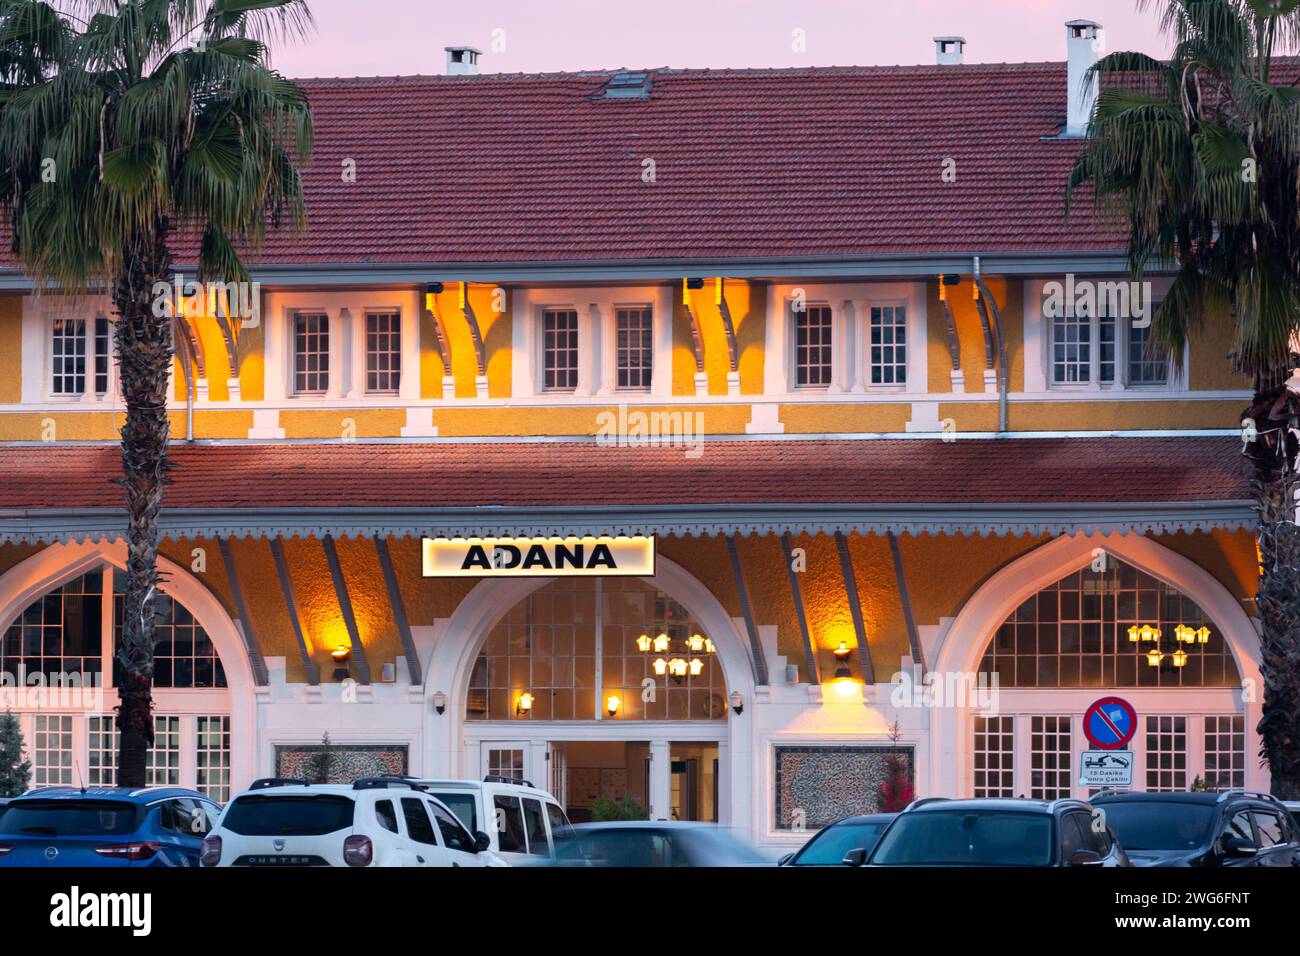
x,y
918,491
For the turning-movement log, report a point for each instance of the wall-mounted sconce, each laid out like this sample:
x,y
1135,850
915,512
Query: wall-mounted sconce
x,y
695,283
737,702
845,685
524,705
440,702
613,704
340,655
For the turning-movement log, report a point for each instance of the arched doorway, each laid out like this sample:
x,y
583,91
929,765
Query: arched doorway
x,y
627,684
60,619
1063,626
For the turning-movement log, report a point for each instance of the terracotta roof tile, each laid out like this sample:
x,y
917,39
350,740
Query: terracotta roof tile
x,y
567,474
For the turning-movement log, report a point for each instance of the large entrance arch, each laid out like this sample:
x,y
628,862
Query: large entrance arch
x,y
457,743
208,726
1051,716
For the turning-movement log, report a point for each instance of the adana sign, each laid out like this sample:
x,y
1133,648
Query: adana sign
x,y
538,557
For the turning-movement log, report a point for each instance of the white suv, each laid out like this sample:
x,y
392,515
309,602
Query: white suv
x,y
519,819
377,821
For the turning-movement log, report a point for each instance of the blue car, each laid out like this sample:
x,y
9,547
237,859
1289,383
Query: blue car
x,y
106,826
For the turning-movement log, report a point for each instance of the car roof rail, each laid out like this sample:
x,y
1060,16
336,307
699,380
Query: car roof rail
x,y
502,778
922,802
266,783
1243,792
385,781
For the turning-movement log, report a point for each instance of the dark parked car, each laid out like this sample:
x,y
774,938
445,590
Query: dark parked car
x,y
994,832
105,826
831,843
652,843
1232,828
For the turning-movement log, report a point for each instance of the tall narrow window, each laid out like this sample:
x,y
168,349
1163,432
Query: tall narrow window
x,y
212,758
311,353
68,356
813,347
559,350
635,348
1225,752
995,757
1166,754
1143,369
103,351
888,345
383,352
1049,746
52,750
1071,349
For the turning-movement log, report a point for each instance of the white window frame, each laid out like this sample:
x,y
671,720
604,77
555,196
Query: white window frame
x,y
347,314
851,305
327,329
837,348
597,310
38,350
1040,339
557,310
365,352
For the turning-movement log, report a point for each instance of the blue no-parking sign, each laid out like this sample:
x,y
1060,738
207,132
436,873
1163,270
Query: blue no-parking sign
x,y
1110,723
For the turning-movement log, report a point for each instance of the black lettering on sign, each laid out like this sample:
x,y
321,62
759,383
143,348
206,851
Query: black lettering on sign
x,y
601,558
476,557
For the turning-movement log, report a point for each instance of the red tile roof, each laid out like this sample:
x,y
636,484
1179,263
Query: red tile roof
x,y
577,474
747,163
814,162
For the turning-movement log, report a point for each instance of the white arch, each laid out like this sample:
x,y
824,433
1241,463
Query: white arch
x,y
59,563
963,642
452,661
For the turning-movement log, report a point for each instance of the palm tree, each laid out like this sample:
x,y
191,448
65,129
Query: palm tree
x,y
124,125
1200,158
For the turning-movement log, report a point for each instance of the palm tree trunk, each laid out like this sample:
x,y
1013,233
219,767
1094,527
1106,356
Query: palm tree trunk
x,y
144,352
1278,596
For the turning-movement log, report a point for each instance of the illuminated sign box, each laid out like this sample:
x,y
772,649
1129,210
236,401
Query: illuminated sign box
x,y
538,557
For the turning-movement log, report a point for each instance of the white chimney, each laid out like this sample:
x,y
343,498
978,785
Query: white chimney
x,y
462,60
1085,42
949,51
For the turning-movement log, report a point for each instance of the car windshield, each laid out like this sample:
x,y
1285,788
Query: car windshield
x,y
306,815
828,847
646,846
1157,825
69,818
463,805
967,838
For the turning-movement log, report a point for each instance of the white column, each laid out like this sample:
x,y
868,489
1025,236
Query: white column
x,y
588,339
601,358
536,767
661,375
775,381
661,770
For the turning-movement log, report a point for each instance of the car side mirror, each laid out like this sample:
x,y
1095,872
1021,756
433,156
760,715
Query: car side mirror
x,y
1237,847
855,857
481,841
1086,858
785,859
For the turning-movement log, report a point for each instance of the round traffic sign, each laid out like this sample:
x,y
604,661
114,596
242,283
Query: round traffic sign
x,y
1110,723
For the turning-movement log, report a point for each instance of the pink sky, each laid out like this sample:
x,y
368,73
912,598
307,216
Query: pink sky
x,y
380,37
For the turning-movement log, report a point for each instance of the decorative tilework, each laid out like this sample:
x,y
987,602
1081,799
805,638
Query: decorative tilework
x,y
349,762
829,783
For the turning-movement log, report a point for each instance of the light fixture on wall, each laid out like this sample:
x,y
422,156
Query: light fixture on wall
x,y
612,704
340,656
737,702
524,705
439,702
845,685
643,643
1183,634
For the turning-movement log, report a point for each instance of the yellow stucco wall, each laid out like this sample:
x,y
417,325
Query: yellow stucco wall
x,y
747,303
11,349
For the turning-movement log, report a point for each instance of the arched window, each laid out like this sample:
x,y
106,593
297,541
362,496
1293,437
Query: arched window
x,y
1080,631
597,649
65,643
